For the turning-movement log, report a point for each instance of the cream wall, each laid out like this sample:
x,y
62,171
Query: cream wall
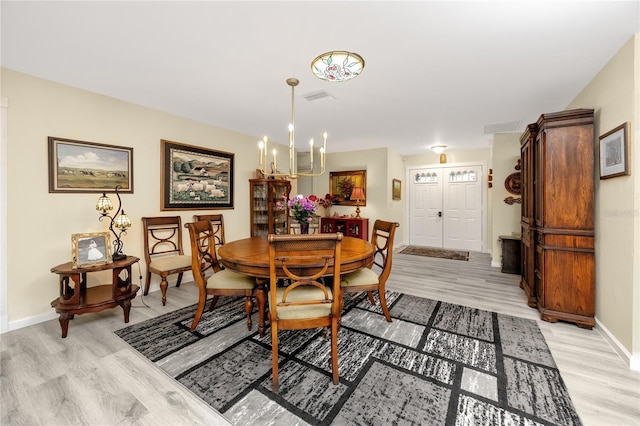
x,y
505,218
374,161
614,94
40,224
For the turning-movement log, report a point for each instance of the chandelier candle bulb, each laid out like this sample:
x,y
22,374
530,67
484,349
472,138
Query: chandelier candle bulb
x,y
311,152
275,164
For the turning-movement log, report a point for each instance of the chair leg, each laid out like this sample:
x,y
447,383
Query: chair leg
x,y
274,356
202,301
214,300
147,282
248,307
163,287
383,303
334,350
179,279
371,299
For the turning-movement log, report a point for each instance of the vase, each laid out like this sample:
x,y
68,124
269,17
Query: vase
x,y
304,227
327,212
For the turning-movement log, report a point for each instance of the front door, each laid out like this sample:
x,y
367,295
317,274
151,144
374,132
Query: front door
x,y
445,207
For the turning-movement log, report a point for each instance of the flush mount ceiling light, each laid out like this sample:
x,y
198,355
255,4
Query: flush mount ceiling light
x,y
337,66
438,148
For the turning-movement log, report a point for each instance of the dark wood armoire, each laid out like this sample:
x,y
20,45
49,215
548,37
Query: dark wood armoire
x,y
558,265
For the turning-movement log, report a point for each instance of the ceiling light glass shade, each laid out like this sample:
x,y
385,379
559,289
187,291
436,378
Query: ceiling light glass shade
x,y
104,204
438,148
123,221
337,66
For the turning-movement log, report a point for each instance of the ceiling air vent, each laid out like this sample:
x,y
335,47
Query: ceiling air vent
x,y
509,126
315,96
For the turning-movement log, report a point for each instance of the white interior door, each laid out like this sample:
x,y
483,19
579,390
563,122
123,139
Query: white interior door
x,y
462,199
445,207
425,221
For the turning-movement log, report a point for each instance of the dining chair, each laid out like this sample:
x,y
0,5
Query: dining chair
x,y
163,252
220,282
366,279
306,302
217,225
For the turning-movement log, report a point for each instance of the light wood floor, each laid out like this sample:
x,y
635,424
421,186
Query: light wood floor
x,y
93,378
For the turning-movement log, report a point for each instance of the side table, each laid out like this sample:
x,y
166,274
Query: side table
x,y
76,298
511,254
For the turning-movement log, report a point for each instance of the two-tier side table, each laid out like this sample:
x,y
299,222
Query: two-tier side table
x,y
76,298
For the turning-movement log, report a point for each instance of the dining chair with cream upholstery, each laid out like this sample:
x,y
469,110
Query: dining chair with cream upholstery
x,y
163,252
305,302
208,275
217,225
367,279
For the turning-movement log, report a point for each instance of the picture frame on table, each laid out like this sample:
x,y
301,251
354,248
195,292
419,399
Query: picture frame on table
x,y
614,152
90,249
396,189
88,167
194,177
343,184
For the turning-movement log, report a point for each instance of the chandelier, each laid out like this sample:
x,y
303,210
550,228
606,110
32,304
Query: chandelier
x,y
293,172
337,66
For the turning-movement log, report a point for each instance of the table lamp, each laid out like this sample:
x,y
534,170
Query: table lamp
x,y
122,221
357,195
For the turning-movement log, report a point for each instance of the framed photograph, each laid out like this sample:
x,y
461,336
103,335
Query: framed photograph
x,y
89,167
396,188
90,249
195,177
614,153
349,188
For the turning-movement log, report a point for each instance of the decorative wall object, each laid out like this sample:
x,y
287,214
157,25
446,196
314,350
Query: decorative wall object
x,y
90,249
397,189
614,153
342,184
89,167
195,177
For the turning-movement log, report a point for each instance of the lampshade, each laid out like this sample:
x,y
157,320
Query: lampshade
x,y
438,148
104,204
337,66
357,194
123,221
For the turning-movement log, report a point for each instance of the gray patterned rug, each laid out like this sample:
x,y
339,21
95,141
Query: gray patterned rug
x,y
435,364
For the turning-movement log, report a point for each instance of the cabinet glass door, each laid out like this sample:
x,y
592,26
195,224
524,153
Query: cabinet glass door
x,y
260,210
280,194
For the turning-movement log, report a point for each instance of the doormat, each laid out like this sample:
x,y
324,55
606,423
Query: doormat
x,y
435,252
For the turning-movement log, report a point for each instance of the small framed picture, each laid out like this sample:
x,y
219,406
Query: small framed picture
x,y
397,189
614,153
90,249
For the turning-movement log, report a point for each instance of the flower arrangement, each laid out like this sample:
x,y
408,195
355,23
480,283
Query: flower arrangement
x,y
327,201
302,208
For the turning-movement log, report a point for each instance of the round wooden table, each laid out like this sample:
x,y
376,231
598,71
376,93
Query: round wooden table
x,y
250,256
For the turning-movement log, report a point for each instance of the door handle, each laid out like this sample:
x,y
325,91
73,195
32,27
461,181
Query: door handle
x,y
439,214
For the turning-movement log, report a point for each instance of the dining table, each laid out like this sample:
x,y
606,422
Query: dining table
x,y
250,256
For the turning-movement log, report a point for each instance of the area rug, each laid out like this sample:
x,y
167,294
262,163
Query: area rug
x,y
435,364
435,252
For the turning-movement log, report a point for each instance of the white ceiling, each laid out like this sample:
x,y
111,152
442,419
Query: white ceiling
x,y
437,72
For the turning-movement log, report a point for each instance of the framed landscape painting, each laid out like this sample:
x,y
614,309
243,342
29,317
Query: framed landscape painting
x,y
195,177
89,167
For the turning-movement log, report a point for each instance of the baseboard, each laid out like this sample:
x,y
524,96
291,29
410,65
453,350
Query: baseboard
x,y
26,322
632,361
495,264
